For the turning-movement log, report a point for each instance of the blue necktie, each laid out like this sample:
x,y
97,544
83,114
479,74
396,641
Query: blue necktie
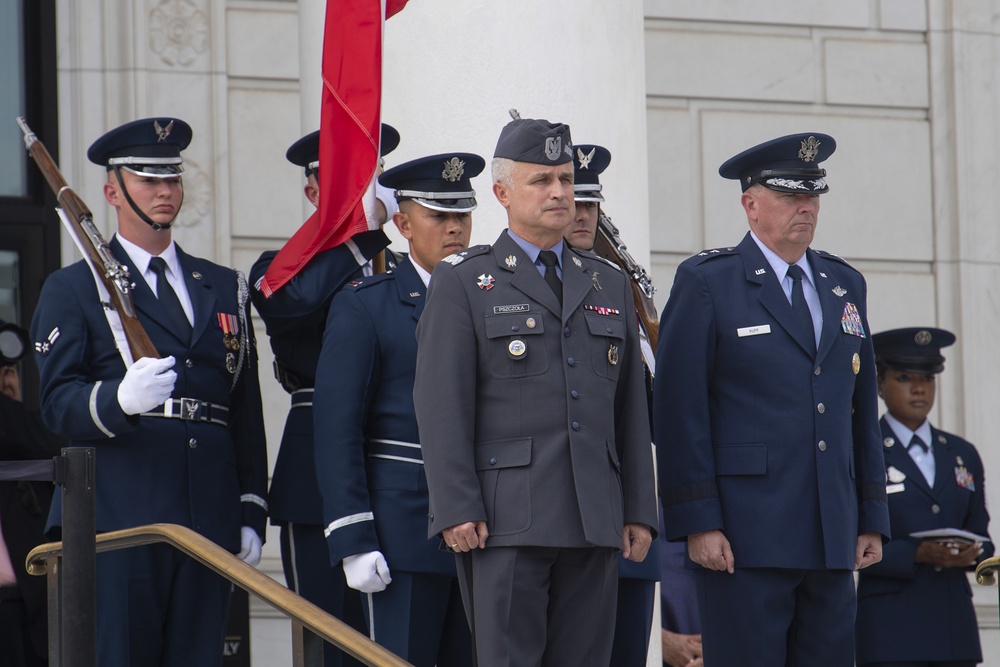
x,y
799,306
169,301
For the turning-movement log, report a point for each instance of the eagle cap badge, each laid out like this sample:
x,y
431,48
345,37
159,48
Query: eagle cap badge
x,y
162,132
809,149
453,170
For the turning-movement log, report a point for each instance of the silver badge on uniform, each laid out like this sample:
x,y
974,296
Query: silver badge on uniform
x,y
511,261
839,291
597,283
613,355
585,159
579,264
553,147
230,362
453,170
516,348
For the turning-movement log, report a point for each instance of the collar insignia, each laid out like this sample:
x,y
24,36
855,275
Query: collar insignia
x,y
511,261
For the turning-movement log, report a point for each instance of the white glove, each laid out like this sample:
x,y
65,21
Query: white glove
x,y
147,384
368,573
250,545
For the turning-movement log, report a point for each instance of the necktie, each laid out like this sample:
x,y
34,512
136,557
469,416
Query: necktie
x,y
799,306
915,441
549,259
169,301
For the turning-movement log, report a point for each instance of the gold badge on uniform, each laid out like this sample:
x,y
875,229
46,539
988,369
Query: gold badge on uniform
x,y
530,323
511,261
613,355
856,363
230,326
516,348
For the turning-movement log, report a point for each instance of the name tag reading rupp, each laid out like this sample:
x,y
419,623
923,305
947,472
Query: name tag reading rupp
x,y
754,331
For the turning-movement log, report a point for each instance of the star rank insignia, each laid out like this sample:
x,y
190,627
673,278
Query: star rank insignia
x,y
485,282
511,261
839,291
585,159
579,264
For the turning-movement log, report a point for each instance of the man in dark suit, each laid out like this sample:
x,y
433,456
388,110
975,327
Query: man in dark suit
x,y
368,453
178,439
533,422
915,606
295,316
23,508
766,423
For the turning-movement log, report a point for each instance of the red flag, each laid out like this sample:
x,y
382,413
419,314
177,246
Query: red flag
x,y
349,135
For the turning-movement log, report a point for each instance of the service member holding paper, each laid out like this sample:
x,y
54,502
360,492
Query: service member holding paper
x,y
915,607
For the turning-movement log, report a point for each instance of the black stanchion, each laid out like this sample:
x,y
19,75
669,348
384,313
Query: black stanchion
x,y
79,562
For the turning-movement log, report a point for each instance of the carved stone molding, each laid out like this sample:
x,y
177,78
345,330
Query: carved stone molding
x,y
178,31
197,195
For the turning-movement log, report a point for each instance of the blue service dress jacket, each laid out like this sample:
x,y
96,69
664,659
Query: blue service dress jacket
x,y
545,435
294,317
199,474
368,456
910,611
758,433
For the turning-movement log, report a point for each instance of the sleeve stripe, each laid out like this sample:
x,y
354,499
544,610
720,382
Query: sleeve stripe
x,y
347,521
93,411
255,499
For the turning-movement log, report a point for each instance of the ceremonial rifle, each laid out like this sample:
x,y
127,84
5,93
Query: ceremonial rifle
x,y
609,245
112,273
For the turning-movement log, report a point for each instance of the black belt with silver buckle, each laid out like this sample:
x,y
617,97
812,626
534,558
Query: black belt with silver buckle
x,y
10,593
191,409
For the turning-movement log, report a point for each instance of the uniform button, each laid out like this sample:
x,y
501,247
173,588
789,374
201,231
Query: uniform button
x,y
817,370
574,393
576,426
566,332
938,568
935,509
610,330
515,328
821,408
192,443
493,461
822,445
188,363
571,361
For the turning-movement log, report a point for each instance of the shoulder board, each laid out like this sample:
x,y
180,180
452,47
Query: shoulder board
x,y
460,257
368,281
837,258
593,256
712,253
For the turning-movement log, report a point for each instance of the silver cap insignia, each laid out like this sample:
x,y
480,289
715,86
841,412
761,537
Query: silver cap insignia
x,y
453,170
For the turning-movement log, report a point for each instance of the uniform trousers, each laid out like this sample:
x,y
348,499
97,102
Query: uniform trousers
x,y
634,622
157,607
923,663
419,617
771,617
548,606
305,560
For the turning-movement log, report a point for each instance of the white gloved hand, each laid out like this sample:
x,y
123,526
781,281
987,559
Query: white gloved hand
x,y
250,545
147,384
368,573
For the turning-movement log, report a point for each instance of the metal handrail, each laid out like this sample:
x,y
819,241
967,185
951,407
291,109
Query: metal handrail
x,y
301,611
986,572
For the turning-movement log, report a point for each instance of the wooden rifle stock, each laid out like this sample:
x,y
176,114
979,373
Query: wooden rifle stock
x,y
112,273
608,244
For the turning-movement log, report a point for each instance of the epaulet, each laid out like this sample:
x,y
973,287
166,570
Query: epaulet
x,y
712,253
459,257
837,258
591,255
368,281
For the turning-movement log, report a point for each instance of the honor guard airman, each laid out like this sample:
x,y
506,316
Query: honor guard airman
x,y
637,581
295,316
915,606
369,458
533,421
179,439
766,423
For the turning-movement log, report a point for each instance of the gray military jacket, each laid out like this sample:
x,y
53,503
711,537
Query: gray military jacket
x,y
531,417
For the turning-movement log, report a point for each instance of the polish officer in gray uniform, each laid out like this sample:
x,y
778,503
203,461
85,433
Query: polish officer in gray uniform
x,y
368,454
533,425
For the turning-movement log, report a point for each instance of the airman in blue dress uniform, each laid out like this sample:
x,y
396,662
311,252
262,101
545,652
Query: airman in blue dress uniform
x,y
915,607
295,317
368,455
178,439
637,581
766,423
